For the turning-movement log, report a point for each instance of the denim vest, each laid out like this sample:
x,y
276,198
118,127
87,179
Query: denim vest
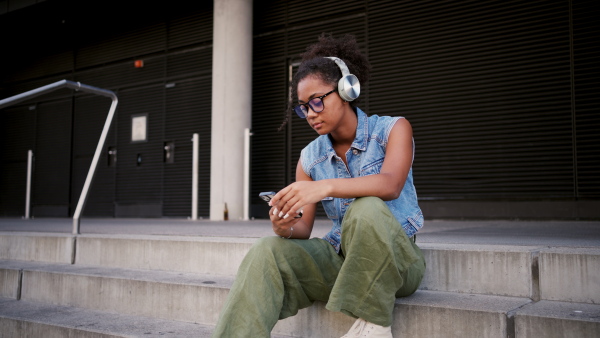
x,y
365,157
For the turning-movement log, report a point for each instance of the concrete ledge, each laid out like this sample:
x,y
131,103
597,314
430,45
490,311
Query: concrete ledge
x,y
484,269
199,298
205,255
423,314
26,319
570,274
9,283
446,315
36,247
558,319
160,294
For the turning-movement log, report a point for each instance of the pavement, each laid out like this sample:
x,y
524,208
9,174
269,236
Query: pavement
x,y
482,232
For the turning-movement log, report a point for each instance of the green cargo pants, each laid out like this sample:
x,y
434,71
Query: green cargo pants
x,y
278,276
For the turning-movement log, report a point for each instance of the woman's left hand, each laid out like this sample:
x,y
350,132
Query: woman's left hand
x,y
288,202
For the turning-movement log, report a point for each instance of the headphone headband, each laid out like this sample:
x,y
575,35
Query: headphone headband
x,y
348,85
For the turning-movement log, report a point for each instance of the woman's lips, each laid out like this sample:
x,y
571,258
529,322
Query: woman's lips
x,y
317,125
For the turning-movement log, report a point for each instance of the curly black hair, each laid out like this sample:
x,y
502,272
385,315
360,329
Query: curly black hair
x,y
314,62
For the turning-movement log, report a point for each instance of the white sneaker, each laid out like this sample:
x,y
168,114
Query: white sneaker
x,y
362,328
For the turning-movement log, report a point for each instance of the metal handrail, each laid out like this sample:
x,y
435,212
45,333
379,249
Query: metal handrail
x,y
78,86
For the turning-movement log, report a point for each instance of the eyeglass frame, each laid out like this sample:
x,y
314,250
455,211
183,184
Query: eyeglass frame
x,y
307,105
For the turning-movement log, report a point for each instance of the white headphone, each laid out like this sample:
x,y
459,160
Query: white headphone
x,y
348,86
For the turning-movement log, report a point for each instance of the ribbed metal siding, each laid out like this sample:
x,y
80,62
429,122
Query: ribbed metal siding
x,y
502,95
587,97
50,193
174,41
486,87
188,106
191,24
140,184
90,114
17,136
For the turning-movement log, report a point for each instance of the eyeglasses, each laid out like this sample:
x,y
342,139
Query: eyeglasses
x,y
316,104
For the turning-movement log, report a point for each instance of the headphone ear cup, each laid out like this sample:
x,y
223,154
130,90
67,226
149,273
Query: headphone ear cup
x,y
349,87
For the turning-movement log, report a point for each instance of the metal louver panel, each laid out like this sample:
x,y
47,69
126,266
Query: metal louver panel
x,y
50,194
88,121
140,164
268,146
191,24
487,90
188,106
587,99
17,136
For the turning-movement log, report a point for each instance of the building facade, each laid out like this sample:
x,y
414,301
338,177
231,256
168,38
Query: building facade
x,y
502,97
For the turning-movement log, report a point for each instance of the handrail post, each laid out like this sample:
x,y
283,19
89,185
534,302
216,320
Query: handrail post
x,y
28,188
195,163
247,135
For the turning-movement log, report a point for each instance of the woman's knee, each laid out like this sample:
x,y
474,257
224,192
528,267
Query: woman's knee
x,y
267,245
368,208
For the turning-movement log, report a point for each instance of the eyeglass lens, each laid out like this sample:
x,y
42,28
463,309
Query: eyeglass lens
x,y
315,104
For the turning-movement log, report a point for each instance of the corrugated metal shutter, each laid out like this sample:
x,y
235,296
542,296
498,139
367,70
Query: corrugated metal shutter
x,y
497,111
140,184
188,106
90,114
487,89
51,180
133,31
586,97
191,23
17,136
268,146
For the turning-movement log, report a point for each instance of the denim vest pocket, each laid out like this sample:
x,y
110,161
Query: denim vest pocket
x,y
372,168
329,206
416,221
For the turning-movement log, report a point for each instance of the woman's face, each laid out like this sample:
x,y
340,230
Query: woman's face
x,y
331,117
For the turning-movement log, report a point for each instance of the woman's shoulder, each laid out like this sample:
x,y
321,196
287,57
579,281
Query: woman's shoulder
x,y
380,126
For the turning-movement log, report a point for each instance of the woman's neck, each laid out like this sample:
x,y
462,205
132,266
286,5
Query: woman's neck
x,y
344,135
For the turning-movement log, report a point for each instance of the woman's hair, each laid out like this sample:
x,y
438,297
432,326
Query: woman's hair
x,y
314,63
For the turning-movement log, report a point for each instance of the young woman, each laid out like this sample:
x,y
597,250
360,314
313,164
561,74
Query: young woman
x,y
360,169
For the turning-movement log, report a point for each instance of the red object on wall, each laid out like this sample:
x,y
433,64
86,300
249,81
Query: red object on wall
x,y
138,63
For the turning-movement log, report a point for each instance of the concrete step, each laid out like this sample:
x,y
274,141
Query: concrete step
x,y
562,274
169,295
558,319
29,319
41,247
468,290
570,274
198,298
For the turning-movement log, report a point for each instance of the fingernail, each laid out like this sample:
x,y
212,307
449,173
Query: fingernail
x,y
281,214
270,203
275,211
298,211
286,216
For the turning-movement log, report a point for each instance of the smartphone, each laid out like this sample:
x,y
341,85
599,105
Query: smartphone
x,y
267,195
